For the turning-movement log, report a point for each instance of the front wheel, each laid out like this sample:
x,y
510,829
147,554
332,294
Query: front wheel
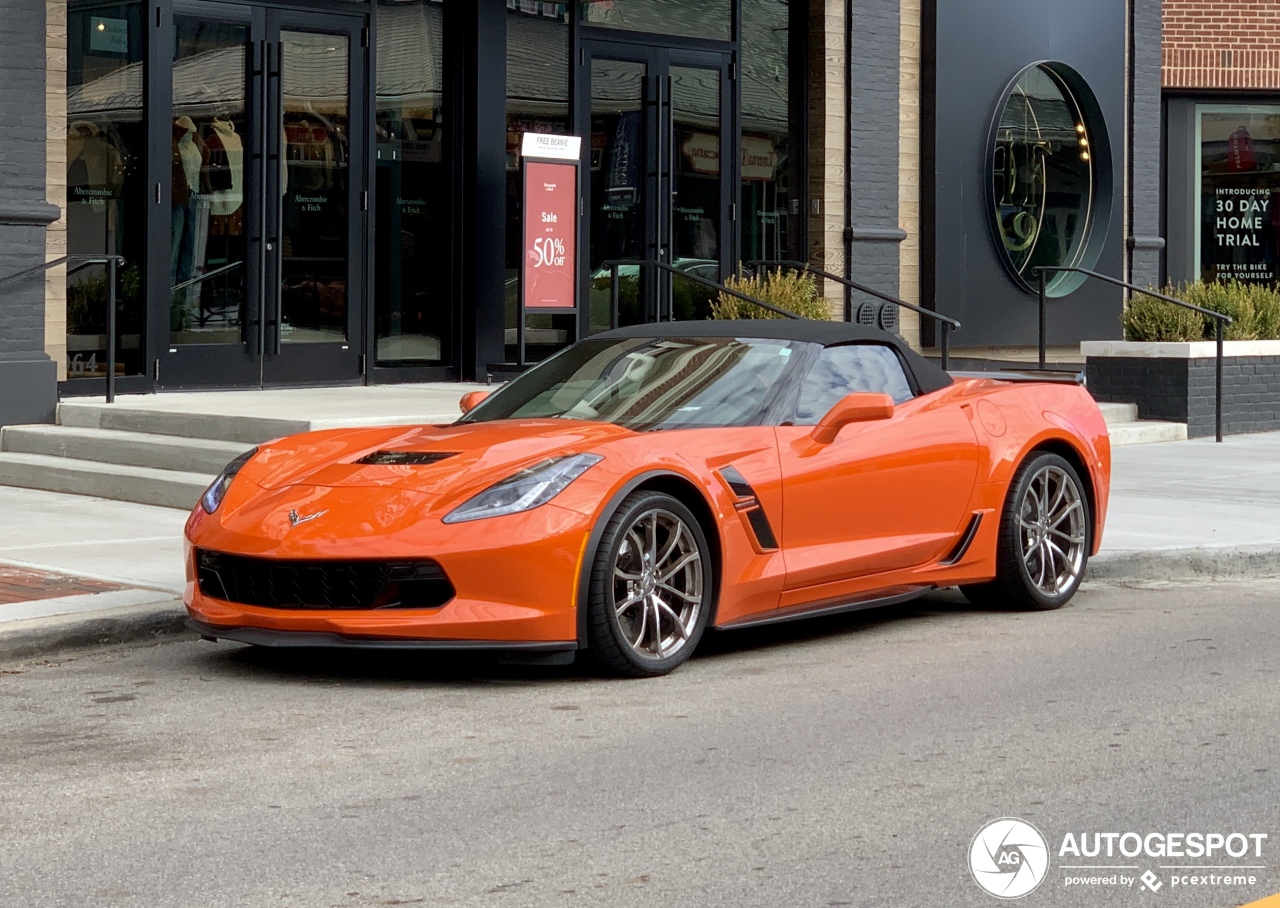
x,y
651,587
1043,546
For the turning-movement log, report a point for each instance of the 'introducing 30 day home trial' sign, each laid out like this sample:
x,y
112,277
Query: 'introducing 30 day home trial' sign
x,y
550,276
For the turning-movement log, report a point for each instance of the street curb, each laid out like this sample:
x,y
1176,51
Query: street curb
x,y
37,637
1242,563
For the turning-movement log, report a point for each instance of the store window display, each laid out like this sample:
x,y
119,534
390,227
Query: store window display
x,y
1239,170
413,302
105,182
209,248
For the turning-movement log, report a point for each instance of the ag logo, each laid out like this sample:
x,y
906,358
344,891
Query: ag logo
x,y
1009,858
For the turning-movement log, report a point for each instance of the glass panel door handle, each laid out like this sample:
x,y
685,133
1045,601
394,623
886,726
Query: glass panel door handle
x,y
273,208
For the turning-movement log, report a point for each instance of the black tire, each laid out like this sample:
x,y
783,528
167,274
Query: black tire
x,y
624,639
1033,570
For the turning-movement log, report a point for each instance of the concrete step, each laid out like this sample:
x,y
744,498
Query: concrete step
x,y
144,485
248,430
135,449
1145,432
1119,413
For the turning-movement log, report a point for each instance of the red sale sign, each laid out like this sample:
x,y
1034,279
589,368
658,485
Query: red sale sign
x,y
550,234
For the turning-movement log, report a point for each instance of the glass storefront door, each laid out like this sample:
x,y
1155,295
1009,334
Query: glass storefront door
x,y
266,198
660,177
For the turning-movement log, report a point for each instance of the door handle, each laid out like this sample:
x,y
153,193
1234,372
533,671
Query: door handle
x,y
670,195
262,83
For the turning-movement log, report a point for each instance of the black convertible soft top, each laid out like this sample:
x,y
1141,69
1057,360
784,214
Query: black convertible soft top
x,y
928,376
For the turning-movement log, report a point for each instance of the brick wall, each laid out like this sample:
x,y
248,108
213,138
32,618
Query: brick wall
x,y
23,212
910,46
1183,390
828,144
28,378
55,291
1219,44
875,60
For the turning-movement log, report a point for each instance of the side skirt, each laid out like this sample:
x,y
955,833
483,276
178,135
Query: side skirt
x,y
818,609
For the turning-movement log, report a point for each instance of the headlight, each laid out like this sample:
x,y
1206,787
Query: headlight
x,y
213,495
526,490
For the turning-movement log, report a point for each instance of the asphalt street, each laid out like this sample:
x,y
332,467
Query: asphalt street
x,y
846,761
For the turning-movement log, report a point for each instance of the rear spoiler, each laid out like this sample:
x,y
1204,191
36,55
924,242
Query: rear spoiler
x,y
1031,375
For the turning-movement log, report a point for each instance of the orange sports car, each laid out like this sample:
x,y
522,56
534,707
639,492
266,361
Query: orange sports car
x,y
650,483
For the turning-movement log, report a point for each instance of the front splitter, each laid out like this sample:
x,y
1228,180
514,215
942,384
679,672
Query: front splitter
x,y
258,636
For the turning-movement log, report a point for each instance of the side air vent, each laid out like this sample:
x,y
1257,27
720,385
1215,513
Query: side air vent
x,y
406,458
752,511
962,547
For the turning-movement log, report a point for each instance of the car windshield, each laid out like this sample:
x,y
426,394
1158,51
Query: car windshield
x,y
651,383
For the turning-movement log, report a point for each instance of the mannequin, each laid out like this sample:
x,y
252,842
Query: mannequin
x,y
190,212
226,167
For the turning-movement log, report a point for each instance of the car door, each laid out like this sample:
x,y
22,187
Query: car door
x,y
885,495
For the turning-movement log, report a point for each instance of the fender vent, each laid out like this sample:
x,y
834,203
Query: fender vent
x,y
406,458
749,506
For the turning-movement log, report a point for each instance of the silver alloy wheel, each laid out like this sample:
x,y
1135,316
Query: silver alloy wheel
x,y
657,584
1052,528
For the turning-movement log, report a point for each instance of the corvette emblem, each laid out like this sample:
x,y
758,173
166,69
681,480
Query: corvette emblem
x,y
295,518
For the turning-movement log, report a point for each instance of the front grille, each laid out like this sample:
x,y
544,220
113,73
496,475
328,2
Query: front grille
x,y
342,585
406,458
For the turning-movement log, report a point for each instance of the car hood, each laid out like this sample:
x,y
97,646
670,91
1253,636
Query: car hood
x,y
434,460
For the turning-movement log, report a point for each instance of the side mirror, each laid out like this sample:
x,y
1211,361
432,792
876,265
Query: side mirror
x,y
852,408
471,400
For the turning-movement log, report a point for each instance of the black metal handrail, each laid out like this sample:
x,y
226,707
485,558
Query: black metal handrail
x,y
615,284
948,324
113,263
1221,320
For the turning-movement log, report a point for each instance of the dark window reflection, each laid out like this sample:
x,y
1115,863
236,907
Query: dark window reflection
x,y
106,183
848,369
414,310
1044,175
314,234
769,200
619,209
691,18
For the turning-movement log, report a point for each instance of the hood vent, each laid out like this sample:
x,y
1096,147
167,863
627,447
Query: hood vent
x,y
406,458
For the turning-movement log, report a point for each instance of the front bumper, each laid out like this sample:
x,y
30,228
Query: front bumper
x,y
515,578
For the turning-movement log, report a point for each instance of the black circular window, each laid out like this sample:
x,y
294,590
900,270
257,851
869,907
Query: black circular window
x,y
1051,175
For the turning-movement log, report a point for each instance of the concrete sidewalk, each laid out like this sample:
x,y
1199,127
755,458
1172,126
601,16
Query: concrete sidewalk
x,y
1178,510
1193,508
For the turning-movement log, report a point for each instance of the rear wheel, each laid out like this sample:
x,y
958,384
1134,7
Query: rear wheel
x,y
651,587
1043,546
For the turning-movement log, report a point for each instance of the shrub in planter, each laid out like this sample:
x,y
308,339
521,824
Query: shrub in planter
x,y
1254,309
794,291
1147,318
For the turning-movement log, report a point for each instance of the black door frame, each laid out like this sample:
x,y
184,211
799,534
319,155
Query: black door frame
x,y
261,359
659,53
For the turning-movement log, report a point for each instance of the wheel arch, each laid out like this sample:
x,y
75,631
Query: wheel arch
x,y
1071,454
679,487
